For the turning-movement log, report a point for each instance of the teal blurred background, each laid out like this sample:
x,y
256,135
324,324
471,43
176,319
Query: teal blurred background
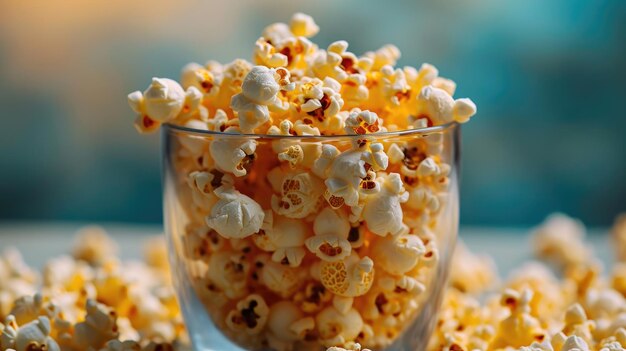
x,y
548,78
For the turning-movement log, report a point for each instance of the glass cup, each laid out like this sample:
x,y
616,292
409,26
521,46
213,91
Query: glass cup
x,y
305,242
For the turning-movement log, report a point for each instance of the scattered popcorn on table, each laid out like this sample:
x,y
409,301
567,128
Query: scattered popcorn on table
x,y
530,311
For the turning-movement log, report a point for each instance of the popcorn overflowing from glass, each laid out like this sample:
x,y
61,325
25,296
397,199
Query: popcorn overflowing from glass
x,y
311,196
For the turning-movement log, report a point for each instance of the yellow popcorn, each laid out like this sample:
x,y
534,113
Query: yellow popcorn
x,y
559,239
398,254
520,328
471,273
303,25
350,277
286,323
93,245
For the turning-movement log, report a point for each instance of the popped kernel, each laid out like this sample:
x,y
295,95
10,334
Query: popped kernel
x,y
100,325
383,212
336,328
163,101
259,95
350,277
250,316
28,337
235,215
284,237
438,107
559,240
233,155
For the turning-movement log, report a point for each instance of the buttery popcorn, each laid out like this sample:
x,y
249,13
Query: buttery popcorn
x,y
293,198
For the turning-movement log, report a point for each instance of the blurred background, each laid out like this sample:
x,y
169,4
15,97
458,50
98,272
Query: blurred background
x,y
547,76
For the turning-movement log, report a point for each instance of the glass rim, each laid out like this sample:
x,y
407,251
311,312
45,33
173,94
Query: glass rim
x,y
170,127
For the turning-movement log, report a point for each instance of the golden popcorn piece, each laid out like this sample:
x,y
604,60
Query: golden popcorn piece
x,y
100,325
350,277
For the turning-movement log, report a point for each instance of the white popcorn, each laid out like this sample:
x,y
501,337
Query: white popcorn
x,y
336,328
349,278
283,316
250,316
398,254
232,155
266,54
574,343
605,303
284,236
281,279
258,96
347,174
330,242
100,326
235,215
440,108
228,272
383,212
163,101
31,336
300,195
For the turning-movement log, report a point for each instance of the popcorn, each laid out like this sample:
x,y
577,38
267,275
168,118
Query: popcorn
x,y
284,237
281,279
286,323
398,254
321,102
300,195
250,316
233,155
259,96
235,215
295,217
336,328
559,239
93,245
438,107
163,101
99,327
350,277
330,242
227,272
383,212
303,25
30,336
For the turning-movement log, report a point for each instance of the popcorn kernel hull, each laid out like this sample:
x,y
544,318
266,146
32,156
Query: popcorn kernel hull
x,y
264,241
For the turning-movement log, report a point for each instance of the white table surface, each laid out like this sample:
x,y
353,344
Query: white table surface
x,y
39,242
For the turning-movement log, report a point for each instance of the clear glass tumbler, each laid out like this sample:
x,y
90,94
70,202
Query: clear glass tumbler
x,y
305,242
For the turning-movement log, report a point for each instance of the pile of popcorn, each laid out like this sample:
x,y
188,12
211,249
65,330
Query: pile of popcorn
x,y
90,300
93,301
293,243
